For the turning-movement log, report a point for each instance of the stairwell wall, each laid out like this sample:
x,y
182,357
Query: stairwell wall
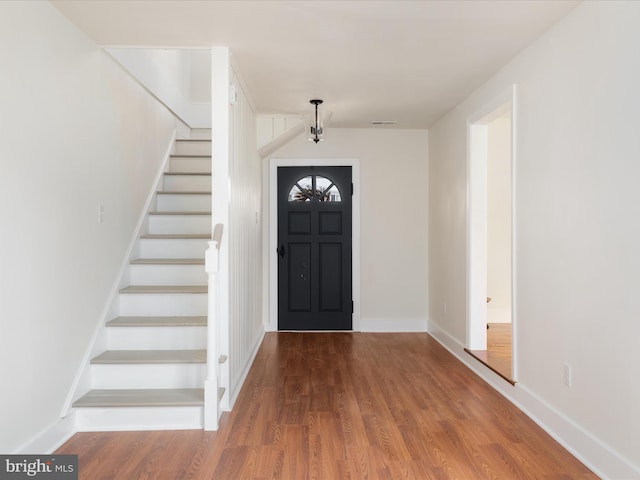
x,y
77,134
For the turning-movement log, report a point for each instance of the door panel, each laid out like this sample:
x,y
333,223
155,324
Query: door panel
x,y
299,223
299,259
314,238
330,277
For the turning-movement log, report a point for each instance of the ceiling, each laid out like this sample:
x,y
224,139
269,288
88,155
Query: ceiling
x,y
408,61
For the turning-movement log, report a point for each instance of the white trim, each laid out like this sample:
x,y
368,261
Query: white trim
x,y
595,455
274,163
476,245
51,438
476,235
514,236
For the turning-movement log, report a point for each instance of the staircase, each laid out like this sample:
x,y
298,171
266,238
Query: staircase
x,y
152,373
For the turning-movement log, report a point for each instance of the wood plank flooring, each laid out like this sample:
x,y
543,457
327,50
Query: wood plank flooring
x,y
340,406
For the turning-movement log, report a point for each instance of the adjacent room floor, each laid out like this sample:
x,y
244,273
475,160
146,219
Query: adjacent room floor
x,y
498,355
340,406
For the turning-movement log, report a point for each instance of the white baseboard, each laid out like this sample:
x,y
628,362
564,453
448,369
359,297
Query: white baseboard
x,y
51,438
593,453
392,325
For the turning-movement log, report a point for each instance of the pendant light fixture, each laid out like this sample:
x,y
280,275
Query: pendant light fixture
x,y
316,125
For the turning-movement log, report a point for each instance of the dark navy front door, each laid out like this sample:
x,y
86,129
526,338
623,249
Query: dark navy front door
x,y
314,248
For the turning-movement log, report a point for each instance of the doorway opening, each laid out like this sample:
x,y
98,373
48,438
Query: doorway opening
x,y
490,292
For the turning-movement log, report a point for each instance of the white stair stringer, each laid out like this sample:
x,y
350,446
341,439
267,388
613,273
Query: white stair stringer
x,y
151,375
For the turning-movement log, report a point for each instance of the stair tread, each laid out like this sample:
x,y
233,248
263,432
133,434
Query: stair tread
x,y
193,140
179,213
176,321
111,357
168,261
181,236
164,289
183,192
178,155
189,173
169,397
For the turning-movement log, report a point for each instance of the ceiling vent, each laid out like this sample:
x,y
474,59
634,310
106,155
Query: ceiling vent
x,y
383,122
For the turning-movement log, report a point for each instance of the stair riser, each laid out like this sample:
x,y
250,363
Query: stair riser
x,y
187,375
179,224
199,147
190,164
183,203
187,183
172,248
167,275
143,418
163,304
201,133
157,338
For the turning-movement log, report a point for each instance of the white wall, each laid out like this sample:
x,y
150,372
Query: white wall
x,y
499,220
76,133
199,76
180,78
245,240
577,227
393,228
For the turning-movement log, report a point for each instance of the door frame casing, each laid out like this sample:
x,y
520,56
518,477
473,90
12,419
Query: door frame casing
x,y
274,163
476,223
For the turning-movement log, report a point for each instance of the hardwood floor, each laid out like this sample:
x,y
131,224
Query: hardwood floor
x,y
340,406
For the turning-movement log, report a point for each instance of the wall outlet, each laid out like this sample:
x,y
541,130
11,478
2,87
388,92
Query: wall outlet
x,y
100,213
567,375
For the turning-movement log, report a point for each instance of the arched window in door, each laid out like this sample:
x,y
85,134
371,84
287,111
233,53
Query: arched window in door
x,y
314,186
